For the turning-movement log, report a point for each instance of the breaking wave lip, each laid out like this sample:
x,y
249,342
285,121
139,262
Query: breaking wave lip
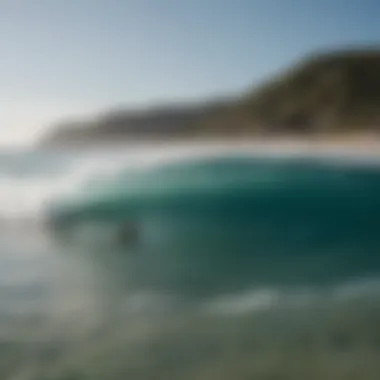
x,y
28,183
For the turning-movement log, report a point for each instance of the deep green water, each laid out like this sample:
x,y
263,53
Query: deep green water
x,y
229,223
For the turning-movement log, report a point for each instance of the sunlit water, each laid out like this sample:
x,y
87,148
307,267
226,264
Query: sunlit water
x,y
200,254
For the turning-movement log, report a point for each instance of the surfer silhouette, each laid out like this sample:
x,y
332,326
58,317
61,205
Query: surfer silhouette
x,y
128,234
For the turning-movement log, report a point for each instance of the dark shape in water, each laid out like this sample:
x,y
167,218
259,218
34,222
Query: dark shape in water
x,y
128,234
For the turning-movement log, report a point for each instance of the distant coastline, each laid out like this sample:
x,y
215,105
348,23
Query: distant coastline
x,y
328,96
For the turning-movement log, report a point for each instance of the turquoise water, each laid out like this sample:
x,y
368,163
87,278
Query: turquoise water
x,y
210,226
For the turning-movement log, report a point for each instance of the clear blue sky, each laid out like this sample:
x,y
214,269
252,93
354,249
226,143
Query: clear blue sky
x,y
62,57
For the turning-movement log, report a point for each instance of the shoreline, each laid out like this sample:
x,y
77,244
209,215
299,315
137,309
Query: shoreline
x,y
354,146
